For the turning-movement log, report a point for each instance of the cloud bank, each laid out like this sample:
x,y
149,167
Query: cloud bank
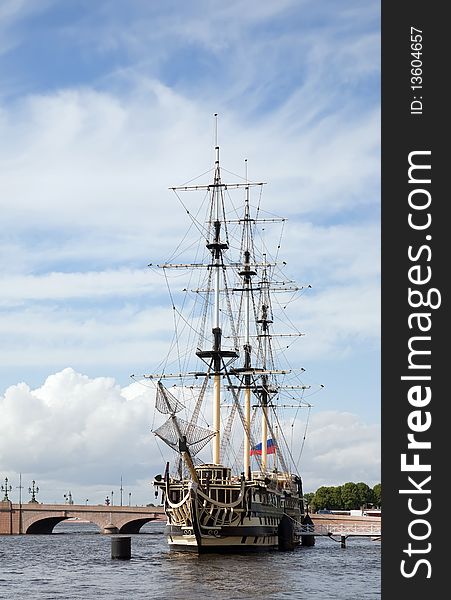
x,y
84,434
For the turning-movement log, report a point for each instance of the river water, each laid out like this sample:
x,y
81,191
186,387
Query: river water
x,y
75,563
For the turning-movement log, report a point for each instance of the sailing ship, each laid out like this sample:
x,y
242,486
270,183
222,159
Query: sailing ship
x,y
233,485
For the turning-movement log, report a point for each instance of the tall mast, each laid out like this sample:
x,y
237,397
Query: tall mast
x,y
216,247
215,356
247,274
265,320
264,399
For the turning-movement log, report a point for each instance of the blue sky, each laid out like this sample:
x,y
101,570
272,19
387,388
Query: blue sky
x,y
105,105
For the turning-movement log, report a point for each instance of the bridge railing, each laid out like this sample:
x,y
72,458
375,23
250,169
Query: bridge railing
x,y
341,529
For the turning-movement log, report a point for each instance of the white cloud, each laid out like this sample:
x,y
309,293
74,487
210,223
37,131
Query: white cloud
x,y
340,448
89,160
86,182
45,336
76,423
57,286
74,431
347,252
339,318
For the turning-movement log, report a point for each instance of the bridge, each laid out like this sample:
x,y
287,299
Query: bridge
x,y
36,518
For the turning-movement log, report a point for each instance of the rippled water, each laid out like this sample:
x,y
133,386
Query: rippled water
x,y
75,563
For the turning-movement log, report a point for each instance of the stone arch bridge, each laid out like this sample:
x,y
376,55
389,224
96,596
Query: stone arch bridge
x,y
36,518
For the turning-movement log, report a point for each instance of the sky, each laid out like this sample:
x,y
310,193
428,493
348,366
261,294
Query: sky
x,y
103,107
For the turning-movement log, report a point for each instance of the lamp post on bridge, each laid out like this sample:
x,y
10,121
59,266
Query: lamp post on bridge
x,y
112,498
20,488
129,498
33,490
121,490
6,488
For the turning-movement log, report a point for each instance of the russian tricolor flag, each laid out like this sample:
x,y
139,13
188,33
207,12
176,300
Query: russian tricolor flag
x,y
270,448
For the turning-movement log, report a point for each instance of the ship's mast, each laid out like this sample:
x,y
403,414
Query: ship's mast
x,y
265,320
216,357
247,274
216,248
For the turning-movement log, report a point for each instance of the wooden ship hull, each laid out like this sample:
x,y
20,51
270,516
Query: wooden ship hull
x,y
224,515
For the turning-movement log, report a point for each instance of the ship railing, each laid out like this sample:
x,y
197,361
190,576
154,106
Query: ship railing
x,y
181,513
220,515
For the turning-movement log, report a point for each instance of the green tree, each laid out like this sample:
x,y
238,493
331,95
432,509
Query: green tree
x,y
323,498
336,499
377,494
365,494
350,496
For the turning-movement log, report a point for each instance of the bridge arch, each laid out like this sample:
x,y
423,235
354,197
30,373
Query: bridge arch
x,y
134,526
46,525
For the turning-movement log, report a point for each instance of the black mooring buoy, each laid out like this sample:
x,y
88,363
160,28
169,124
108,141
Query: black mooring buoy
x,y
121,547
308,539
